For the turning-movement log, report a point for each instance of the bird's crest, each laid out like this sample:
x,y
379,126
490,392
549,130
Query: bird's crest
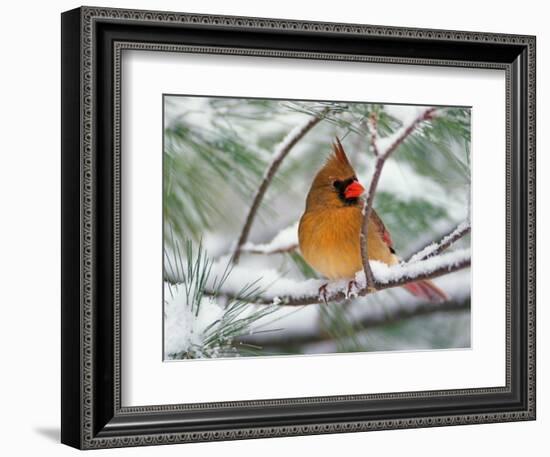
x,y
339,153
338,162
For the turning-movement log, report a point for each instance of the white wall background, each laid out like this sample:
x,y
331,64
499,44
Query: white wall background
x,y
30,214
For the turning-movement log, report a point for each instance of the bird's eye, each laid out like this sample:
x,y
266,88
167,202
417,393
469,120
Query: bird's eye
x,y
337,184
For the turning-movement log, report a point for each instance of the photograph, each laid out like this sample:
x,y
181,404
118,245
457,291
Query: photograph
x,y
314,227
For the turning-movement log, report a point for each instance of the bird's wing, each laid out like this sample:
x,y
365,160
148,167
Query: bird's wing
x,y
382,229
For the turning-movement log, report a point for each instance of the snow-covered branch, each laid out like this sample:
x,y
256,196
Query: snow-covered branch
x,y
391,143
426,264
285,241
289,292
435,248
279,154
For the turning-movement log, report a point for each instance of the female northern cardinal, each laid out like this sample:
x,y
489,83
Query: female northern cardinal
x,y
330,228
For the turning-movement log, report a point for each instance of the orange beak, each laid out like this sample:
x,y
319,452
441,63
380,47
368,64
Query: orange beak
x,y
354,190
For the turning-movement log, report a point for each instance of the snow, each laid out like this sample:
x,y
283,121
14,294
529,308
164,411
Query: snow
x,y
275,286
290,137
285,240
433,247
269,279
284,144
385,274
390,301
184,329
305,320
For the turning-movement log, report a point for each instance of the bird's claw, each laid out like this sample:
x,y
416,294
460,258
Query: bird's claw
x,y
323,293
351,285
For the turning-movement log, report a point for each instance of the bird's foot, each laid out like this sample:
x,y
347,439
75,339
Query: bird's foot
x,y
323,293
351,285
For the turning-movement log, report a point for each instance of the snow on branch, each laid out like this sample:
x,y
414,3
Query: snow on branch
x,y
433,249
382,152
285,241
289,292
279,154
284,291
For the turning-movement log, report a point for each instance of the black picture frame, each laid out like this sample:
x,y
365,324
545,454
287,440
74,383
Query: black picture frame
x,y
92,415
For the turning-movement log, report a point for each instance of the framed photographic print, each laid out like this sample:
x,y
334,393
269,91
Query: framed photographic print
x,y
274,227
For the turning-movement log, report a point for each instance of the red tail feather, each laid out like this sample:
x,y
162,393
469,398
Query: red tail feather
x,y
427,290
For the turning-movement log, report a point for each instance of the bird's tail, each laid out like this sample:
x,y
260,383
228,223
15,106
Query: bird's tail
x,y
426,289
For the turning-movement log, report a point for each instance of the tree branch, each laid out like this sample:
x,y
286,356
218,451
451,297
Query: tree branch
x,y
367,211
373,130
386,277
255,250
284,241
282,151
366,322
434,249
381,157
